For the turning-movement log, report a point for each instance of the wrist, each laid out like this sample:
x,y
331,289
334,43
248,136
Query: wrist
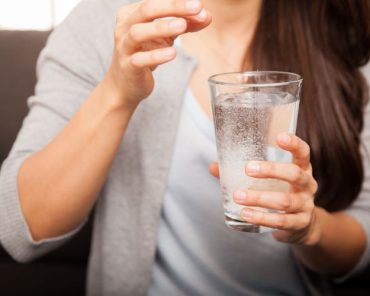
x,y
315,231
114,97
108,105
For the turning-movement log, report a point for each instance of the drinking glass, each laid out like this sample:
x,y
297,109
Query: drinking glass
x,y
249,110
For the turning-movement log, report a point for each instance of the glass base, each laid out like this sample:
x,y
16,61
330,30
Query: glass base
x,y
241,225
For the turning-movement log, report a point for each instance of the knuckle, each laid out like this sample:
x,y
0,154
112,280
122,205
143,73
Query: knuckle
x,y
280,221
123,49
119,32
134,33
258,218
297,173
160,27
306,150
253,197
315,186
133,61
306,219
270,168
286,202
122,63
154,55
310,205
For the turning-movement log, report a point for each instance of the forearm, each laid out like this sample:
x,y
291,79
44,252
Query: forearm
x,y
59,184
341,242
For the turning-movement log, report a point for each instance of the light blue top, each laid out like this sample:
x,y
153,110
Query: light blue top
x,y
196,253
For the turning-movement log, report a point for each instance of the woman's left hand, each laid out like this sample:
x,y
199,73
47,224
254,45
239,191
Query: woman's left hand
x,y
297,223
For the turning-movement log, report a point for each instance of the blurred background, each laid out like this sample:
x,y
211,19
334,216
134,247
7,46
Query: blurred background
x,y
24,28
34,14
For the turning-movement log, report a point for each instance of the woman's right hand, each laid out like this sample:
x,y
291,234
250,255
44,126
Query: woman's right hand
x,y
143,40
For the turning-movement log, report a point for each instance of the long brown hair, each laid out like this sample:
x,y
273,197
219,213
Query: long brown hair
x,y
325,41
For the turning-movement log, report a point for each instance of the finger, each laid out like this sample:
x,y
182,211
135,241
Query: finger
x,y
299,148
152,58
143,32
214,169
282,201
288,172
198,22
150,10
276,220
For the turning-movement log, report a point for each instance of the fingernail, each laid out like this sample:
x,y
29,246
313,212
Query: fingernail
x,y
284,138
253,167
177,25
193,5
240,195
247,214
202,15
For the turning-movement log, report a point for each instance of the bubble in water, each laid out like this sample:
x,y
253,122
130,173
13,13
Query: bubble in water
x,y
243,124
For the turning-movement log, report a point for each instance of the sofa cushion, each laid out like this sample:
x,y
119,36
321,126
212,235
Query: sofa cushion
x,y
18,54
63,271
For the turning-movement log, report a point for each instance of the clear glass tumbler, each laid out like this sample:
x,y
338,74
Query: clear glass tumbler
x,y
249,110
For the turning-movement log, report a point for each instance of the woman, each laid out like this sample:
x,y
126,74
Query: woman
x,y
107,126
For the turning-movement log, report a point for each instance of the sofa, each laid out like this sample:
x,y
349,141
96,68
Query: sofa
x,y
63,271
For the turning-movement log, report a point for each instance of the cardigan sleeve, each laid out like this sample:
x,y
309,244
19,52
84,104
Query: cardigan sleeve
x,y
68,69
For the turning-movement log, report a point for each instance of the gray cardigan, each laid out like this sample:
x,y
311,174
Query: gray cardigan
x,y
128,211
127,214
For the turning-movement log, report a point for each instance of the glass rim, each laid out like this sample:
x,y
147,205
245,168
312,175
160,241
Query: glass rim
x,y
297,78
